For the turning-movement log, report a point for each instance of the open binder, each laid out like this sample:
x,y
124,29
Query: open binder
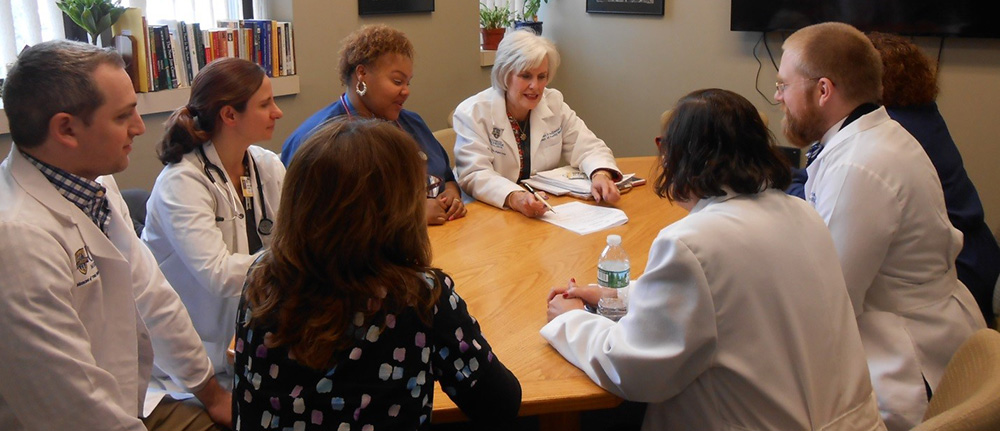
x,y
570,181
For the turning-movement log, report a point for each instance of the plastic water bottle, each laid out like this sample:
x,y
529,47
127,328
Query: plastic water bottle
x,y
613,279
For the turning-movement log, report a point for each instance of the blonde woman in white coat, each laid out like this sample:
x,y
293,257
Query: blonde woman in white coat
x,y
518,127
213,206
730,327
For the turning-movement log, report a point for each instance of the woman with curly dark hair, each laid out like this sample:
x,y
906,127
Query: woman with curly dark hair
x,y
909,91
344,324
376,65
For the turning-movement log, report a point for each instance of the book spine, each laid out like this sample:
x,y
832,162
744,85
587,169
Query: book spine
x,y
189,55
231,48
168,58
280,39
150,60
208,50
154,59
178,60
274,48
291,48
199,44
258,40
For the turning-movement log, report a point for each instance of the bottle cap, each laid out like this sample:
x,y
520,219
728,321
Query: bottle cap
x,y
614,239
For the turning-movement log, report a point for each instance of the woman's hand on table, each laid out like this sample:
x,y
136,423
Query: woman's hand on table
x,y
437,213
571,297
525,203
603,187
451,200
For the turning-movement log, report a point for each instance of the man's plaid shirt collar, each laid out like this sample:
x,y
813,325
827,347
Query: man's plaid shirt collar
x,y
89,196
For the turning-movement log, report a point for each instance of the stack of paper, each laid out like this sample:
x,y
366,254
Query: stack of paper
x,y
565,180
584,219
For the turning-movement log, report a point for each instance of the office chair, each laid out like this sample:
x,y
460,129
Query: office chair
x,y
968,397
447,139
135,200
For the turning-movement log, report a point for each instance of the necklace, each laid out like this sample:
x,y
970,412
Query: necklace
x,y
520,129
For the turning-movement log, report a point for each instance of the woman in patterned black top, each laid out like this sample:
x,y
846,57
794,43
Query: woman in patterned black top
x,y
343,324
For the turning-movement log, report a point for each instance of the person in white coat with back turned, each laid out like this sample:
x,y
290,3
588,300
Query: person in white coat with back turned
x,y
86,313
213,206
518,127
878,192
741,320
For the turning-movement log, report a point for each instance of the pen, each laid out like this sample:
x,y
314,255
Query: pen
x,y
535,194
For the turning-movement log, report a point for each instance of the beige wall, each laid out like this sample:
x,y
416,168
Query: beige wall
x,y
619,73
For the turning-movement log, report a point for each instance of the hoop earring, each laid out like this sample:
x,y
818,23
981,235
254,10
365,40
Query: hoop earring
x,y
361,88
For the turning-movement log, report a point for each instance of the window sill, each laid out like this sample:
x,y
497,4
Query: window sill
x,y
486,57
169,100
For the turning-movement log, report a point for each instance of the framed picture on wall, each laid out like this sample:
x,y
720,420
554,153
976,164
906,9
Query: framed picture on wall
x,y
375,7
634,7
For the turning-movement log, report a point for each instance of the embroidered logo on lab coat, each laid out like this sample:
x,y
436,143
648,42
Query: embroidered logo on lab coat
x,y
82,260
552,134
496,132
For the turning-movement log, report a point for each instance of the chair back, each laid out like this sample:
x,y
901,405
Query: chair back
x,y
968,397
135,200
446,137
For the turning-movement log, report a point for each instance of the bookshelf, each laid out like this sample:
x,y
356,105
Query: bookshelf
x,y
168,100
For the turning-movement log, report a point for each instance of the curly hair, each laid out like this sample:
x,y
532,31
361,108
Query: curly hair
x,y
367,44
353,241
908,77
715,140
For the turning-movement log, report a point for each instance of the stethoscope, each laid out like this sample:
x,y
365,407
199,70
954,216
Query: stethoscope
x,y
265,225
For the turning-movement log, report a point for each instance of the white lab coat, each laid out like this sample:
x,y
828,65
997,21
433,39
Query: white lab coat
x,y
82,315
733,326
486,156
207,261
881,197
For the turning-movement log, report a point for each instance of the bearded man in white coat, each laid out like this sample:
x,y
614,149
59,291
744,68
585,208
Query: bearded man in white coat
x,y
86,310
880,196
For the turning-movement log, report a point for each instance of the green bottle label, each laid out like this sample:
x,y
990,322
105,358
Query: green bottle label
x,y
612,279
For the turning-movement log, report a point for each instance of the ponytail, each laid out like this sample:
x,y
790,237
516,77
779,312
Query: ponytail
x,y
184,133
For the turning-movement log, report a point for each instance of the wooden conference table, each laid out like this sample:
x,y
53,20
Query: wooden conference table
x,y
504,264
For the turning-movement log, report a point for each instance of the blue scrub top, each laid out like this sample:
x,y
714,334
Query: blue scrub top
x,y
438,164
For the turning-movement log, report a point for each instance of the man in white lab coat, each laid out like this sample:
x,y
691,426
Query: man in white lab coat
x,y
881,198
85,308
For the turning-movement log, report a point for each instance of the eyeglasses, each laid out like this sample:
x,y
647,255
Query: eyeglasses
x,y
781,86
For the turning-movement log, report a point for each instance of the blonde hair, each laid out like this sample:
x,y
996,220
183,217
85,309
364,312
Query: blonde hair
x,y
522,50
842,54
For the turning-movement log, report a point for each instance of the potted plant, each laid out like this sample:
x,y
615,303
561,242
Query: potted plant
x,y
493,22
94,16
529,17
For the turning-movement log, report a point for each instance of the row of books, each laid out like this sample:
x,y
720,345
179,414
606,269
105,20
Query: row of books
x,y
169,54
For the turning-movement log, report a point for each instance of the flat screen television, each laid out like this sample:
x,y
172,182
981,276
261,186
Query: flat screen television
x,y
963,18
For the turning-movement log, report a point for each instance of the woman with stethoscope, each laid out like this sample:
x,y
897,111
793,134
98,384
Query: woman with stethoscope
x,y
213,206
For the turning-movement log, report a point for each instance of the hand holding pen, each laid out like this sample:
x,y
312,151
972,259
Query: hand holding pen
x,y
530,202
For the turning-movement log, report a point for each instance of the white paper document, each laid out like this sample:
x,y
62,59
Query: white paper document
x,y
584,219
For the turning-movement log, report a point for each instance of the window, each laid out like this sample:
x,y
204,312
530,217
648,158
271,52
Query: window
x,y
27,22
516,6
